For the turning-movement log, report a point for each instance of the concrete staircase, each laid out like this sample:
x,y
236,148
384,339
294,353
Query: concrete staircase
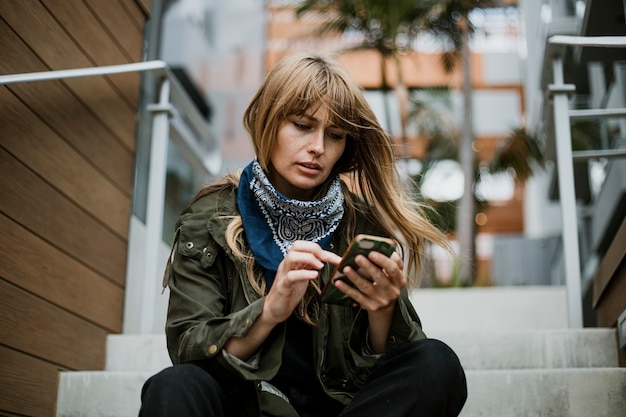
x,y
519,357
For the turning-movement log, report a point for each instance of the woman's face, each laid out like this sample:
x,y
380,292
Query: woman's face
x,y
307,148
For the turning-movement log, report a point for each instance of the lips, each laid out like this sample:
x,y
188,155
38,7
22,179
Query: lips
x,y
310,165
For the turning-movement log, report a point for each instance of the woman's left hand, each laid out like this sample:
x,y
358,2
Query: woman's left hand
x,y
383,289
377,286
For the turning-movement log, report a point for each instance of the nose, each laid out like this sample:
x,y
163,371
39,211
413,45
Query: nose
x,y
316,142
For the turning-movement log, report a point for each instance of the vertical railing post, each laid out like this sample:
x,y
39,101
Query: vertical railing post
x,y
567,194
155,207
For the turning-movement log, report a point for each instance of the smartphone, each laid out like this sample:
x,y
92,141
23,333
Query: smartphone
x,y
360,245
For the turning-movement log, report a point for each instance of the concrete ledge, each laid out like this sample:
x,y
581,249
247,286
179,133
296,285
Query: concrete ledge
x,y
100,394
491,308
546,393
526,349
137,353
492,393
585,348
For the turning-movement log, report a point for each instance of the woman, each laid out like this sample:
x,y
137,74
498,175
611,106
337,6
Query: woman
x,y
246,329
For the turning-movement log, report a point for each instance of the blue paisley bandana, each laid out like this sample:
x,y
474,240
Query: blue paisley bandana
x,y
272,222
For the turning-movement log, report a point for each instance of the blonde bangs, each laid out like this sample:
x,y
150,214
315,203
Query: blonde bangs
x,y
320,86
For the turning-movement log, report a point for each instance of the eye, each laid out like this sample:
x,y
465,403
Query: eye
x,y
301,126
336,134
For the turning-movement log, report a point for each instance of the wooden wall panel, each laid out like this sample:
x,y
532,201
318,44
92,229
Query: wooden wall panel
x,y
32,264
136,10
66,172
65,114
145,5
29,200
59,164
27,389
86,30
36,327
42,33
613,302
124,23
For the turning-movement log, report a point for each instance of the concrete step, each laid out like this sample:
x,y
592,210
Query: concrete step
x,y
491,308
136,353
492,393
546,393
519,356
100,393
520,349
527,349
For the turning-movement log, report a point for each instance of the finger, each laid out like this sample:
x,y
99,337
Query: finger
x,y
398,260
360,278
316,250
374,271
296,259
390,268
364,300
331,257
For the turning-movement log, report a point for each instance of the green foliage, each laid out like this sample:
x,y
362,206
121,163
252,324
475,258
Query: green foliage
x,y
448,20
388,26
442,214
521,151
432,112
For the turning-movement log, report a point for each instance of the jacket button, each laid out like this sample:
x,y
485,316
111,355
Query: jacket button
x,y
245,322
392,340
189,245
212,349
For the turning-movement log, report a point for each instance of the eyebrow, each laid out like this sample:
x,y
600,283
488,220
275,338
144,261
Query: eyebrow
x,y
311,117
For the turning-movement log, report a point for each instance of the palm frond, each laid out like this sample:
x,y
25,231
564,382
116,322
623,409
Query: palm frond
x,y
521,151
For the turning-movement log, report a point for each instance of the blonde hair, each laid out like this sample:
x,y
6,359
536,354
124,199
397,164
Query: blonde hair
x,y
305,81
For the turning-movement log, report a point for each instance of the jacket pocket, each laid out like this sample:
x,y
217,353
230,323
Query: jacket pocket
x,y
194,241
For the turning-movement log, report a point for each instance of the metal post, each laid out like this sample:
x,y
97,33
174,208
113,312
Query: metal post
x,y
154,211
567,195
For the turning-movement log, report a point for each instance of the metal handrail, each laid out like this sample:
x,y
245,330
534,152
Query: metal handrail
x,y
174,111
592,114
558,44
155,66
210,164
599,153
591,41
561,119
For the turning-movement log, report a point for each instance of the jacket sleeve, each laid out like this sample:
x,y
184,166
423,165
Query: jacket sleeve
x,y
201,317
406,325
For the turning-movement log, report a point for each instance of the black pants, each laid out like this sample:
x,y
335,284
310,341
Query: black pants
x,y
421,379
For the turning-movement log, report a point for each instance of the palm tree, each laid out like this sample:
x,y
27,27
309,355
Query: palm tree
x,y
389,27
449,20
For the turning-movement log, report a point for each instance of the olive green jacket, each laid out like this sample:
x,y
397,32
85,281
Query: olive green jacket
x,y
211,300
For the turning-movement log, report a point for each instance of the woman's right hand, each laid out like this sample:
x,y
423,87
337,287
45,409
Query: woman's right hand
x,y
301,265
